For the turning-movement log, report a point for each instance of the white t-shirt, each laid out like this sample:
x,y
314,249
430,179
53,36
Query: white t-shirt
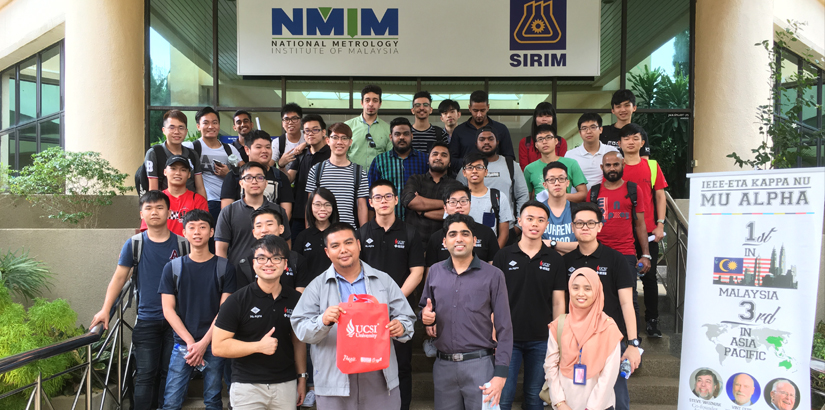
x,y
276,146
481,209
212,182
590,163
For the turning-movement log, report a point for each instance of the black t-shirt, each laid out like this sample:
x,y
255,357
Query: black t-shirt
x,y
294,275
610,136
614,272
241,150
392,252
277,188
250,314
485,248
310,244
303,164
530,286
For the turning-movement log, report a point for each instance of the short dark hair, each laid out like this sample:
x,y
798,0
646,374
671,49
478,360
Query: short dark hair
x,y
542,109
328,195
486,129
384,182
292,107
251,164
543,128
585,206
590,116
198,215
242,112
266,211
631,129
371,88
554,165
399,121
441,144
257,135
448,105
479,96
457,218
340,128
474,156
314,117
535,203
176,114
206,110
621,96
339,227
153,196
423,94
456,188
273,244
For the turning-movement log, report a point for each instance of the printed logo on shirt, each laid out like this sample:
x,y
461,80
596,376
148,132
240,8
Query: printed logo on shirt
x,y
288,271
570,270
545,266
287,312
150,166
362,331
601,270
478,243
307,247
255,312
369,243
513,265
174,254
399,244
493,174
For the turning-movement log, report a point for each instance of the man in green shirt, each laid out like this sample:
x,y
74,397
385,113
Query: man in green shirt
x,y
546,140
370,134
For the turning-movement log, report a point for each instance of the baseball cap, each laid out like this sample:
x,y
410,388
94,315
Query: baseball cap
x,y
177,158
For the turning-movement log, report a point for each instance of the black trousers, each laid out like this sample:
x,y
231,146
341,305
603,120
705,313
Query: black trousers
x,y
403,352
649,282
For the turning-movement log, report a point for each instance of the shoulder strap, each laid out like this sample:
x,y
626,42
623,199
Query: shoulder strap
x,y
177,267
495,200
227,149
137,248
559,330
160,163
183,244
594,193
282,144
221,272
196,145
439,134
632,193
653,172
511,167
319,169
357,170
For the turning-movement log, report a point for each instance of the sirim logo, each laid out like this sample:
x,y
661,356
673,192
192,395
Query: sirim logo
x,y
362,331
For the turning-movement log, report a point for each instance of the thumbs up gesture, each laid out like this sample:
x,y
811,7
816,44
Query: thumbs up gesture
x,y
427,314
268,344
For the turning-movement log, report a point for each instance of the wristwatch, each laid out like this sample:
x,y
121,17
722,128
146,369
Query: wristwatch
x,y
647,256
660,221
553,244
303,375
634,342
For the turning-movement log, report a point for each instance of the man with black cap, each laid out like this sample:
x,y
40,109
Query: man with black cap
x,y
181,200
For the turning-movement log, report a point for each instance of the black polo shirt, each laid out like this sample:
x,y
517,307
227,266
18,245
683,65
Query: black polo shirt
x,y
277,188
394,251
303,164
614,272
294,275
250,314
485,248
234,226
530,286
310,244
425,186
611,136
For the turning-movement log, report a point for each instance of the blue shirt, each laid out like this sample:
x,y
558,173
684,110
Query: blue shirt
x,y
398,170
560,228
358,287
153,258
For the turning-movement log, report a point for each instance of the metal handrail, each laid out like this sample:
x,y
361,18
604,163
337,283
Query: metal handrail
x,y
113,341
675,257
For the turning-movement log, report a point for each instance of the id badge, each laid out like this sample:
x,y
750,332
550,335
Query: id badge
x,y
579,374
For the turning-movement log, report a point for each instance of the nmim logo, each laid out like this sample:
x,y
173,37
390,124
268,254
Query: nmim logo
x,y
327,21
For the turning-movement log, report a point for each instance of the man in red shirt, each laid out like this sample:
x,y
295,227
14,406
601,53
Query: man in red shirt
x,y
649,178
181,200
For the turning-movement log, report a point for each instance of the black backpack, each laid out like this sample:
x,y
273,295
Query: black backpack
x,y
495,200
198,148
142,177
631,193
319,169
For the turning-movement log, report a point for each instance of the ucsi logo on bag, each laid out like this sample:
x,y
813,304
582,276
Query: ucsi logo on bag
x,y
362,331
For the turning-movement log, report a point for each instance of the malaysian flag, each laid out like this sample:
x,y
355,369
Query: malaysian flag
x,y
758,266
727,270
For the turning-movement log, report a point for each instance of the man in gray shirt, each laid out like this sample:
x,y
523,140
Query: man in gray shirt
x,y
463,300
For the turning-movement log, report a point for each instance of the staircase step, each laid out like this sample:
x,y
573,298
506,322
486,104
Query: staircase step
x,y
653,390
658,365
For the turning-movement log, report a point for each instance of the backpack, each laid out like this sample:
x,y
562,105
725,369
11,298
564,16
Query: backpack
x,y
631,193
319,169
282,144
198,148
137,250
495,200
142,177
177,267
511,167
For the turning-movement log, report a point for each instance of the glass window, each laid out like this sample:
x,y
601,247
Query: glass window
x,y
394,94
318,93
515,95
268,121
28,144
156,124
28,90
7,150
458,91
789,75
809,113
49,133
8,101
50,81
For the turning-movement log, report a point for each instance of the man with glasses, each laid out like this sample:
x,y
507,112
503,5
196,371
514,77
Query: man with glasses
x,y
490,206
559,233
424,133
464,137
457,201
290,145
617,282
399,164
242,124
174,129
394,247
589,154
546,140
370,134
314,130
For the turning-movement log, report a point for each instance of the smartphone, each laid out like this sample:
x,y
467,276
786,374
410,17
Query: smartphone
x,y
218,163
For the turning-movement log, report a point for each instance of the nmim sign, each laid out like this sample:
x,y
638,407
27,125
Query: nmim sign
x,y
327,21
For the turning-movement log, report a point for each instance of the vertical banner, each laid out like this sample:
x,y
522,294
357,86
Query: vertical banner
x,y
750,294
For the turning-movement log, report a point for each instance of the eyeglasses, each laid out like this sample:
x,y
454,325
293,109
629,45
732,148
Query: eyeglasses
x,y
419,105
590,224
552,180
275,259
387,197
593,128
454,202
343,138
250,178
372,142
312,131
542,139
291,119
476,168
319,205
173,128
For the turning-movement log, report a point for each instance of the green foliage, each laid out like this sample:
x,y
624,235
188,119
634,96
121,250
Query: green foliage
x,y
24,275
72,187
778,118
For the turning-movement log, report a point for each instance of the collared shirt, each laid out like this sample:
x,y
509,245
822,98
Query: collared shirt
x,y
486,245
463,304
310,243
464,138
392,251
398,170
425,187
302,165
360,151
235,227
590,164
357,287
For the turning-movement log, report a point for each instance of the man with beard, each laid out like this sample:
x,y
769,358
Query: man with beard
x,y
743,388
705,385
783,395
465,135
424,133
398,165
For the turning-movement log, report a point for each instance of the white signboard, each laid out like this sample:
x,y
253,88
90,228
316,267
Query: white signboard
x,y
751,289
456,38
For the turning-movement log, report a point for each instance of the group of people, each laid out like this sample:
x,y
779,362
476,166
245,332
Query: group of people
x,y
247,249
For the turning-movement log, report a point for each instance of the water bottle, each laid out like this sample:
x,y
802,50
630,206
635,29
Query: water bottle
x,y
639,267
625,369
233,160
487,405
185,352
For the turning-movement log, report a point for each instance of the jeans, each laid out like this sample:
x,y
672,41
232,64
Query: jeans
x,y
650,284
153,346
533,354
620,389
177,381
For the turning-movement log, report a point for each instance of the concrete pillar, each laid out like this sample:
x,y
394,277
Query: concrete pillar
x,y
104,80
732,79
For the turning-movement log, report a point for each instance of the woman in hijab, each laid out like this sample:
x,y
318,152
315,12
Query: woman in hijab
x,y
583,375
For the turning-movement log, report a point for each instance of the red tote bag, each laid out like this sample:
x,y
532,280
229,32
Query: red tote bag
x,y
363,339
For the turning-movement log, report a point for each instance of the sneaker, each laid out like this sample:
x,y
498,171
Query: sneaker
x,y
429,349
653,328
309,400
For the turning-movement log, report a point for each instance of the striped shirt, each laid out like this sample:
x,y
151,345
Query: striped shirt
x,y
423,140
396,170
341,181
